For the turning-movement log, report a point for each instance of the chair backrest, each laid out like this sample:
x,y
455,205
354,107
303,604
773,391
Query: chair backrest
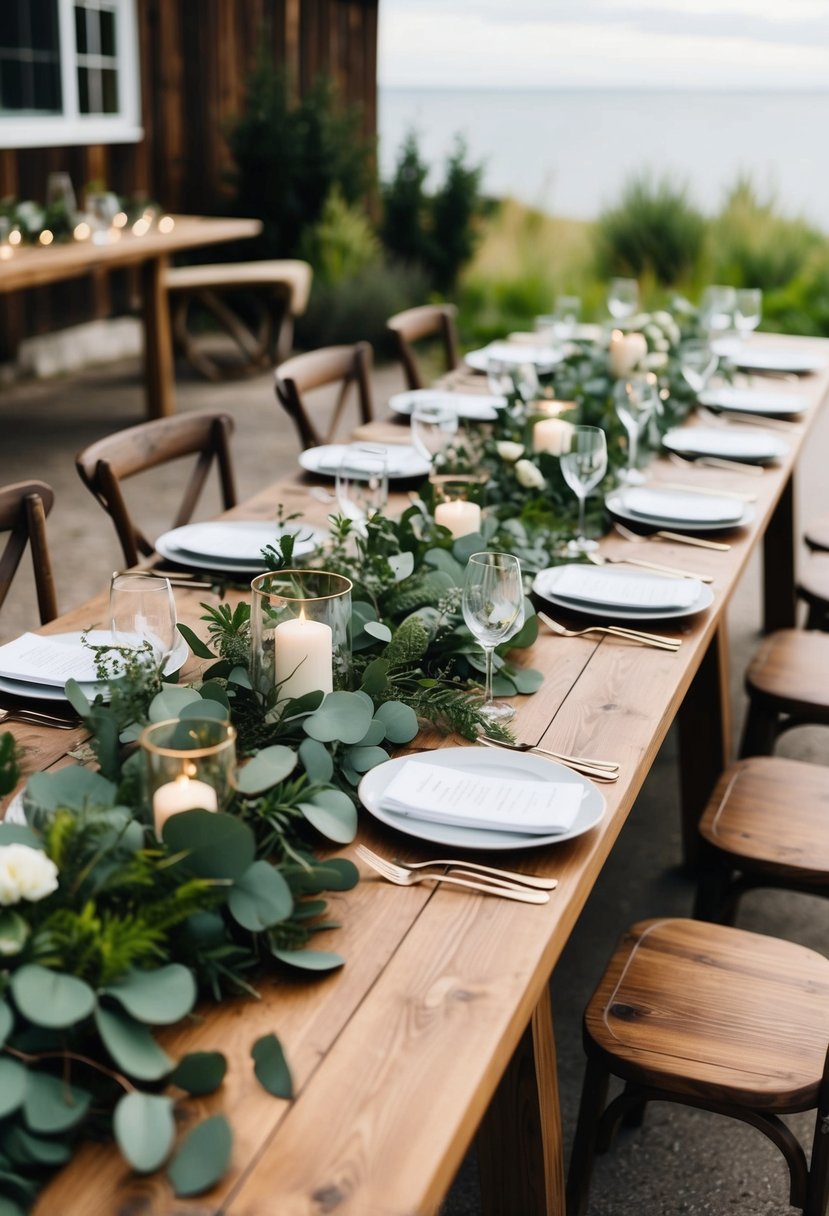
x,y
427,321
348,366
23,510
104,464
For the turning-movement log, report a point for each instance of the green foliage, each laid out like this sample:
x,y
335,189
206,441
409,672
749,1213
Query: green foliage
x,y
356,307
289,156
9,767
654,230
342,242
752,245
404,228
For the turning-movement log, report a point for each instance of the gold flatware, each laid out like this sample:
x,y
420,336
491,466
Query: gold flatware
x,y
717,546
718,462
599,770
762,420
709,492
407,878
176,579
601,559
468,867
35,718
616,631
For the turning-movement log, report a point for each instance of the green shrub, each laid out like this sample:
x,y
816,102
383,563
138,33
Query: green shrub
x,y
357,307
342,242
752,245
405,223
655,230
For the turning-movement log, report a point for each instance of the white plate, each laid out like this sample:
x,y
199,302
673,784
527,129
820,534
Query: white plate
x,y
751,447
586,585
98,637
310,540
513,766
476,407
753,355
542,357
753,401
238,540
402,460
616,505
544,586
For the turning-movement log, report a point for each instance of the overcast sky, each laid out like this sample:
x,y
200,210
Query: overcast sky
x,y
776,44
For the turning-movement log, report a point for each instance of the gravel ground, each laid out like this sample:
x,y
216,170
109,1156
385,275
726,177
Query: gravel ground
x,y
680,1161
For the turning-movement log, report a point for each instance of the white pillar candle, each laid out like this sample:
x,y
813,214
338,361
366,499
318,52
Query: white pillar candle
x,y
458,516
626,350
551,435
303,657
183,794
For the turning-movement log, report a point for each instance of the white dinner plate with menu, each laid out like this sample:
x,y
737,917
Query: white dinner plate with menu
x,y
616,505
476,407
546,581
511,766
402,460
760,401
748,445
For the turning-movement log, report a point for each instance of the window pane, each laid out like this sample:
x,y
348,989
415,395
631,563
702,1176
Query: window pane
x,y
10,32
46,80
109,91
108,46
11,85
80,29
83,90
43,24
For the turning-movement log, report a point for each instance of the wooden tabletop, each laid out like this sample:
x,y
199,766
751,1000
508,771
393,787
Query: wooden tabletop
x,y
398,1056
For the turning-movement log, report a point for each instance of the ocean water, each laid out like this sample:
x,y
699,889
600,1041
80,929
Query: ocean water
x,y
569,152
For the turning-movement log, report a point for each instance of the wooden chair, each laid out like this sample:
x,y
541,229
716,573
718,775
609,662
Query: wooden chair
x,y
427,321
816,535
813,589
106,463
766,825
711,1017
348,366
787,683
24,506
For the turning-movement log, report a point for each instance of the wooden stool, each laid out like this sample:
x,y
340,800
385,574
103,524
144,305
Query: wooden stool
x,y
788,685
767,825
813,587
278,290
816,535
716,1018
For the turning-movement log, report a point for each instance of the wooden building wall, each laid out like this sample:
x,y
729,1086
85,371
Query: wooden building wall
x,y
195,57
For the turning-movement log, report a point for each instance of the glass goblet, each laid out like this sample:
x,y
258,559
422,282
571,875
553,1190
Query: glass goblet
x,y
142,615
499,377
566,313
583,465
697,362
361,484
434,426
748,311
622,298
493,609
717,310
635,400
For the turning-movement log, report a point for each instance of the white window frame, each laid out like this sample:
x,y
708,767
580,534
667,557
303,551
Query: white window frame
x,y
70,127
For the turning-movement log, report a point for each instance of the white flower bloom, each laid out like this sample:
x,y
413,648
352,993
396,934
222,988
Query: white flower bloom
x,y
653,333
25,873
509,451
673,335
638,322
661,344
663,319
655,360
529,475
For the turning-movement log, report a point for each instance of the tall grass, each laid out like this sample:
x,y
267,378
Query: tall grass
x,y
653,231
750,244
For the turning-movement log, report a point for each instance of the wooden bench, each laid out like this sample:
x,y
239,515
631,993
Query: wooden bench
x,y
274,293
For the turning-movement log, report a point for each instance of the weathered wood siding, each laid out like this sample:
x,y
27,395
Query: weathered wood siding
x,y
195,57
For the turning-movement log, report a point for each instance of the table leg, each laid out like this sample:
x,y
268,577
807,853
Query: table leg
x,y
704,721
520,1151
158,344
779,600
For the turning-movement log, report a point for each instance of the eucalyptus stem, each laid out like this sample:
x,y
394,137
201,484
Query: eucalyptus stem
x,y
27,1057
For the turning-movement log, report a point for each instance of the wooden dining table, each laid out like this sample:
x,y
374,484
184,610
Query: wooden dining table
x,y
37,266
439,1028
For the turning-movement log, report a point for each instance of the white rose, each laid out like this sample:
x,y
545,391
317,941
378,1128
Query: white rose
x,y
663,319
655,360
638,322
653,333
529,475
661,344
673,335
25,873
626,350
509,451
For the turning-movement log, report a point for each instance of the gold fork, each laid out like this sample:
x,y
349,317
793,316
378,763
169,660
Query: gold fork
x,y
632,635
406,878
596,772
35,718
601,559
718,462
718,546
473,869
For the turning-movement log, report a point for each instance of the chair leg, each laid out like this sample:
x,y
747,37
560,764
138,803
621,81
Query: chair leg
x,y
817,1186
760,731
715,898
593,1098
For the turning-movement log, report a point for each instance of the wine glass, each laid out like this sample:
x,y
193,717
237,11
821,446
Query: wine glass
x,y
493,609
566,313
717,309
142,615
635,400
499,377
622,298
697,362
583,465
434,425
748,309
361,484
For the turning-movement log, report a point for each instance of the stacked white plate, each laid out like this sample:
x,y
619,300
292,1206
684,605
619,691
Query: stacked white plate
x,y
402,460
37,667
542,357
621,594
477,407
754,355
744,444
761,401
678,510
233,546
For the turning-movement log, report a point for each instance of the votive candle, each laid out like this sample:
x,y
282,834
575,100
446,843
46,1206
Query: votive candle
x,y
458,516
303,657
183,794
551,435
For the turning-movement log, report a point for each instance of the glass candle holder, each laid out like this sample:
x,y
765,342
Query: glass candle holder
x,y
459,500
301,627
191,763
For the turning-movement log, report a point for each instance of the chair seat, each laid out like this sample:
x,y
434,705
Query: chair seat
x,y
790,672
293,274
771,814
691,1007
816,535
813,584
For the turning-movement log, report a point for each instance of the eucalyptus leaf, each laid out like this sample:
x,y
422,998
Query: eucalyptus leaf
x,y
6,1020
9,1208
132,1045
144,1129
77,698
51,1105
27,1150
306,704
528,632
73,787
271,1068
343,716
316,760
361,613
399,721
13,933
260,898
240,677
375,734
442,560
375,677
268,767
333,813
171,701
158,997
205,707
376,629
18,833
402,565
362,759
202,1157
526,679
14,1080
465,546
50,998
198,647
216,845
503,686
199,1072
310,960
333,874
